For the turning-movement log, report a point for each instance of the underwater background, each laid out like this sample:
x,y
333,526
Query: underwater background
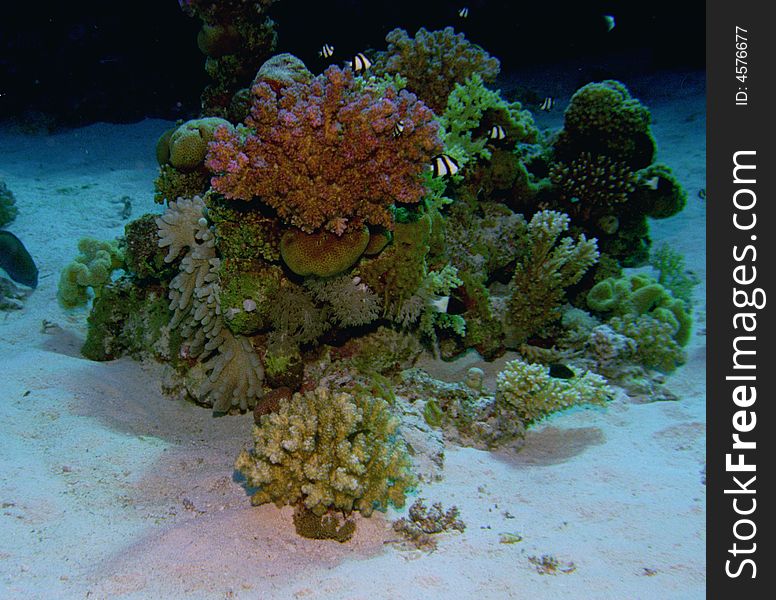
x,y
352,299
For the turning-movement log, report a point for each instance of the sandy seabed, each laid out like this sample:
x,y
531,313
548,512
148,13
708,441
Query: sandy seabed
x,y
110,489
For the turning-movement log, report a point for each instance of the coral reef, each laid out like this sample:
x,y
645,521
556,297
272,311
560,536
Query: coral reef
x,y
230,372
322,154
530,393
236,37
328,450
434,61
548,264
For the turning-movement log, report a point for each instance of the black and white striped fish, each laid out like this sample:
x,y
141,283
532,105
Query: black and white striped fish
x,y
398,129
443,165
548,103
463,13
360,63
326,51
497,132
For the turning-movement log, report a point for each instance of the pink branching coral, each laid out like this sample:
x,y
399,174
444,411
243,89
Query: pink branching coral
x,y
434,61
324,153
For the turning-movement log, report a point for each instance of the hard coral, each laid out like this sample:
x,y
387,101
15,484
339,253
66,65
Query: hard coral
x,y
603,118
323,154
531,393
434,61
548,265
328,450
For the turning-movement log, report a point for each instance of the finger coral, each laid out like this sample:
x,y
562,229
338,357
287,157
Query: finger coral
x,y
328,450
434,61
323,154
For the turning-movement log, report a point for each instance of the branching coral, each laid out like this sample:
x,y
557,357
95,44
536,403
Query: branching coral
x,y
434,61
546,267
328,450
528,391
323,154
470,112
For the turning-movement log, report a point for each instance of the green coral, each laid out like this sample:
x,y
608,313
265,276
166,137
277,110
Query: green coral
x,y
92,268
604,119
130,319
673,274
323,253
188,143
243,231
396,274
472,109
328,450
639,295
248,288
171,184
547,266
142,255
433,62
659,194
656,342
529,392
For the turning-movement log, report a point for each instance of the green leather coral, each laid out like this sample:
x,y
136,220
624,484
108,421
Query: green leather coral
x,y
328,450
92,268
323,253
530,392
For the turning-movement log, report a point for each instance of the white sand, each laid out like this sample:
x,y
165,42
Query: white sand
x,y
95,462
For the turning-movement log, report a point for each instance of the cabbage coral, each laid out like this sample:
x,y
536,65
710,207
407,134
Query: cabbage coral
x,y
324,155
434,61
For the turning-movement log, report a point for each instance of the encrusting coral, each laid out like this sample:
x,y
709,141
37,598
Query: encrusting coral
x,y
328,450
323,154
434,61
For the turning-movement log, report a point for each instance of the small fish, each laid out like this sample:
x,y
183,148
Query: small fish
x,y
497,132
463,13
561,371
548,103
652,183
16,261
443,165
360,63
398,129
326,51
438,303
609,22
702,193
